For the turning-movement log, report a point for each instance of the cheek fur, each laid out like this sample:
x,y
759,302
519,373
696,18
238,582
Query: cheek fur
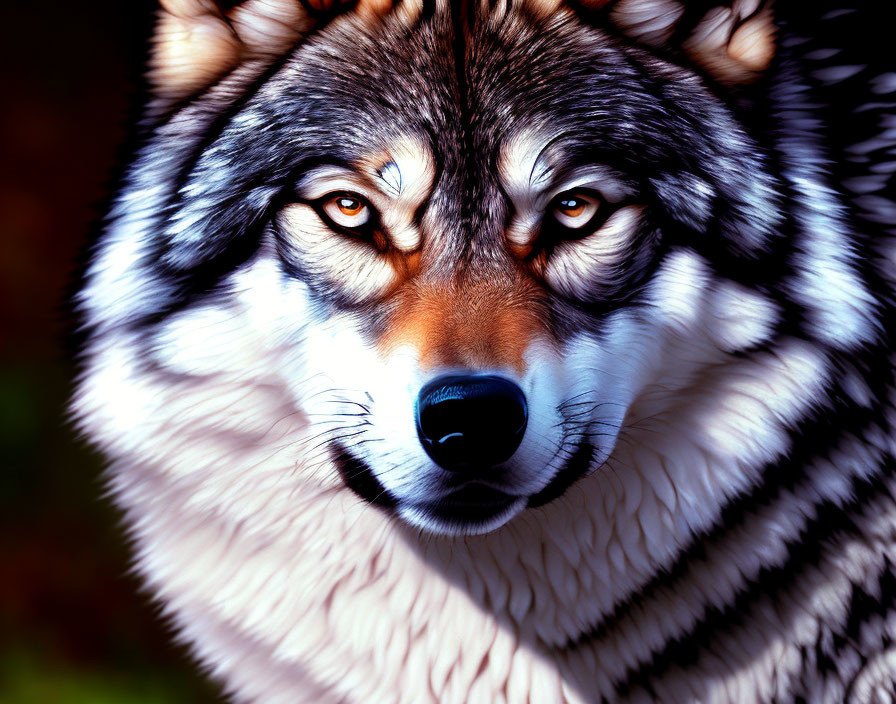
x,y
590,268
333,261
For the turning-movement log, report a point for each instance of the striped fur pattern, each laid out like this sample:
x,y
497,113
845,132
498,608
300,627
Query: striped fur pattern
x,y
703,503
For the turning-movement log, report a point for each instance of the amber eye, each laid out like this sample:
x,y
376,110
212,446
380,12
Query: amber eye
x,y
571,207
574,209
346,209
349,206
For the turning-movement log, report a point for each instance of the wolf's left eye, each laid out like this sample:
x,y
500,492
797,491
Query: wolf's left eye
x,y
346,209
575,209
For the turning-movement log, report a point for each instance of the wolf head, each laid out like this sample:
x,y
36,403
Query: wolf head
x,y
469,250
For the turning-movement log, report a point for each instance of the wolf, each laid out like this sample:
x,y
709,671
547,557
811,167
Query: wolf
x,y
510,351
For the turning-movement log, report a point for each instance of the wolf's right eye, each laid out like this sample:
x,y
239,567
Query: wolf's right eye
x,y
347,210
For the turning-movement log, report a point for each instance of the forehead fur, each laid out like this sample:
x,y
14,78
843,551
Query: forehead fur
x,y
466,81
468,85
197,43
463,82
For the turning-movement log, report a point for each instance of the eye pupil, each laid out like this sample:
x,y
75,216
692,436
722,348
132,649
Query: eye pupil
x,y
575,209
349,206
572,207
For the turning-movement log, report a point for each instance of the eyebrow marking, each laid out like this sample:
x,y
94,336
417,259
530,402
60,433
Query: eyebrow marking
x,y
542,168
529,162
390,175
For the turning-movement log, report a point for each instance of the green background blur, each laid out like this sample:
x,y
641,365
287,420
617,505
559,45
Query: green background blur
x,y
74,626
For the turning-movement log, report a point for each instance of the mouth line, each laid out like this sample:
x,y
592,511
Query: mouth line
x,y
463,518
474,502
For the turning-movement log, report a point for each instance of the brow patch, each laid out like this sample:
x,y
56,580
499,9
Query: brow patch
x,y
390,175
404,172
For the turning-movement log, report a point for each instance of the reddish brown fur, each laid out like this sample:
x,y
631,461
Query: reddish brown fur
x,y
475,324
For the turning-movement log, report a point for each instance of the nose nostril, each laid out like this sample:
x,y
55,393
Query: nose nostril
x,y
470,422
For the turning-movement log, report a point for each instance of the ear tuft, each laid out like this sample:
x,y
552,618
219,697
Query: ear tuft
x,y
374,8
734,44
198,41
649,21
753,44
193,45
269,27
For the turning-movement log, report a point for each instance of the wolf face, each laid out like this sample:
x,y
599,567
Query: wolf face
x,y
463,271
481,208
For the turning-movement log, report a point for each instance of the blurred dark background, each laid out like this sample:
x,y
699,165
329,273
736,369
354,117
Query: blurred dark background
x,y
74,626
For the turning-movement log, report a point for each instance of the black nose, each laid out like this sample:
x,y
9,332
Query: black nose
x,y
470,422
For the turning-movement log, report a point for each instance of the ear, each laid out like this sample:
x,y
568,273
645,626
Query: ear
x,y
198,41
733,41
735,44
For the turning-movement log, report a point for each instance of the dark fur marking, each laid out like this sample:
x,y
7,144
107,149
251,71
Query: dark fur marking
x,y
830,521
